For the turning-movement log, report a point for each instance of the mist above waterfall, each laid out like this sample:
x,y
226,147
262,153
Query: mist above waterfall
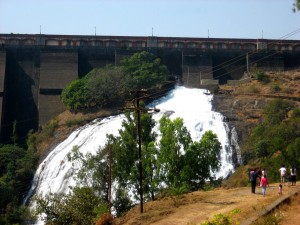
x,y
56,174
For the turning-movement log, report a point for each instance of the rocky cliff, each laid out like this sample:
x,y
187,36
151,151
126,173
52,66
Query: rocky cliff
x,y
242,103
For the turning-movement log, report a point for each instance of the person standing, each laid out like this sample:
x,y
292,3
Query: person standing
x,y
264,183
280,189
293,175
282,171
253,177
263,172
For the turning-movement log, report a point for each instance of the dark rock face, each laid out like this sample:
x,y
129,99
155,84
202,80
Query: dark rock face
x,y
242,113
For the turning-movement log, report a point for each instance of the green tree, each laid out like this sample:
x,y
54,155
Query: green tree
x,y
75,96
174,142
80,207
182,162
94,170
126,154
201,159
146,70
16,171
108,86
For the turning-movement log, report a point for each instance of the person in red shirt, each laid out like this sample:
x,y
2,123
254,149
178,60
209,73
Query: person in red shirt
x,y
264,183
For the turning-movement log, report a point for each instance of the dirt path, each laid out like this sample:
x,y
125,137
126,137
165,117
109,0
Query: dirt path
x,y
196,207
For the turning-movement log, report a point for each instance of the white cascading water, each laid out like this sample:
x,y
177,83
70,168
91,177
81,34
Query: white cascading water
x,y
55,173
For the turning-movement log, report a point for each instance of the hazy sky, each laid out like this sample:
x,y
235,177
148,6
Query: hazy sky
x,y
270,19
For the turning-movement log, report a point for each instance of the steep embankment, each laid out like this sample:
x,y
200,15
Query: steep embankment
x,y
242,104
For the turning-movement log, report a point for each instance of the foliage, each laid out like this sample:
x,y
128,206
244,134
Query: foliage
x,y
177,192
93,171
275,87
49,128
126,154
146,70
276,111
107,86
182,161
16,172
219,219
74,96
174,142
261,76
261,149
80,207
122,202
277,137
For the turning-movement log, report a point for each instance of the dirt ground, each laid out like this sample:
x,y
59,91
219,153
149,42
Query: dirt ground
x,y
194,208
290,211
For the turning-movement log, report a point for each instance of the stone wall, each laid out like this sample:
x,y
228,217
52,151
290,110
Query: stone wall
x,y
57,69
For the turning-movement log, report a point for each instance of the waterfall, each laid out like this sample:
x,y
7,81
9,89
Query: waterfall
x,y
55,173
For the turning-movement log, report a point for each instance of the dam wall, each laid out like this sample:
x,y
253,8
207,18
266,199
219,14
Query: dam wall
x,y
34,69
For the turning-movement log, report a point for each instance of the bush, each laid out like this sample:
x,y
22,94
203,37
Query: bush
x,y
253,89
219,219
74,96
276,87
105,219
72,122
262,76
49,129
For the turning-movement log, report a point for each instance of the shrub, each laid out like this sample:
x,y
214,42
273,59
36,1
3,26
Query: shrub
x,y
262,76
276,87
72,122
219,219
253,89
50,128
105,219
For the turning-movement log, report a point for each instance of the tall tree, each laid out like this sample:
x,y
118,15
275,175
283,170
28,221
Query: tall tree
x,y
174,142
146,70
126,156
182,162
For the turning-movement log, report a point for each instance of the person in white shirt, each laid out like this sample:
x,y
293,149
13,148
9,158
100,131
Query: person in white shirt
x,y
282,171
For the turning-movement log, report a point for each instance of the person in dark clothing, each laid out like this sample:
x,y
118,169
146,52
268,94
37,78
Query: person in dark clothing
x,y
253,178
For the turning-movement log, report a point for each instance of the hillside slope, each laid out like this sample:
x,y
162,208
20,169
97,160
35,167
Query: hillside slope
x,y
196,207
242,104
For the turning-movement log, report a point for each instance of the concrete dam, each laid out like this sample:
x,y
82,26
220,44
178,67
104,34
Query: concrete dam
x,y
34,69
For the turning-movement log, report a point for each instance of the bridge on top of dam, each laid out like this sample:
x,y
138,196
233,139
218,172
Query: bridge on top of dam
x,y
34,68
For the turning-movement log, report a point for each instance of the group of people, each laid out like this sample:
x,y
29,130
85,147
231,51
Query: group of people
x,y
261,176
256,174
291,176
